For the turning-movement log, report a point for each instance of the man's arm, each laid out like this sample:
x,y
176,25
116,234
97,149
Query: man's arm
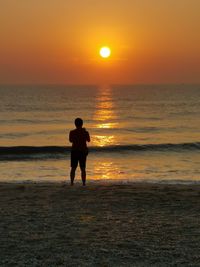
x,y
87,137
70,137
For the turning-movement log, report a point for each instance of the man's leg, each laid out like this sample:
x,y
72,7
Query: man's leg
x,y
82,163
83,175
72,174
74,164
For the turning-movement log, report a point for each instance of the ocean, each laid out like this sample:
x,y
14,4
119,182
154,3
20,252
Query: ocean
x,y
139,133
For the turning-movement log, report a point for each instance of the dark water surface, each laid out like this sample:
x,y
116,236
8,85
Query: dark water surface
x,y
145,132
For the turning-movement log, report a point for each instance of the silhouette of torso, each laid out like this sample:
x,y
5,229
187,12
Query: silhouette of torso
x,y
78,138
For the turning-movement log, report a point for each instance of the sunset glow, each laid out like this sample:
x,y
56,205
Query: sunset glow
x,y
63,44
99,136
105,52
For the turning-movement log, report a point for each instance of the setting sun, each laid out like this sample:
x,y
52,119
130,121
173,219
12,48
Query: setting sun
x,y
105,52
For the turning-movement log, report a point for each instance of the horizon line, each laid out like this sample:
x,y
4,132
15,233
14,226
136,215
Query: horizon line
x,y
98,84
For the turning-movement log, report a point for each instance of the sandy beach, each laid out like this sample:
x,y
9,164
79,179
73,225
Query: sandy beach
x,y
99,225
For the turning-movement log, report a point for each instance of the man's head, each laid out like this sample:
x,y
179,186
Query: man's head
x,y
78,122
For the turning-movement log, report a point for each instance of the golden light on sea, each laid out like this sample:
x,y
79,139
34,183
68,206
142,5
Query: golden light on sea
x,y
104,115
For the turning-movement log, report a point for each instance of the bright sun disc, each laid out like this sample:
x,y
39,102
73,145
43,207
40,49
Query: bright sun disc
x,y
105,52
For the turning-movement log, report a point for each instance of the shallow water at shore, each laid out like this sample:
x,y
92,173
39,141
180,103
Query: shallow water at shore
x,y
156,167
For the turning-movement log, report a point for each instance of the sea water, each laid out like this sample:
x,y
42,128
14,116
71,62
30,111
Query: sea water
x,y
145,133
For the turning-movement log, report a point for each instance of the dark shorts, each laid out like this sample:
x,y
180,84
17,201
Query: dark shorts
x,y
78,157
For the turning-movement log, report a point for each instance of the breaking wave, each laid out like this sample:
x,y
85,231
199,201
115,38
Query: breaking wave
x,y
48,152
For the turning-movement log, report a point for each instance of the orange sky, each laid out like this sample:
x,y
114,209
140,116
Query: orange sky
x,y
48,41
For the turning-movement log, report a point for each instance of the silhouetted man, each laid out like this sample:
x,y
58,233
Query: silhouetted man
x,y
79,151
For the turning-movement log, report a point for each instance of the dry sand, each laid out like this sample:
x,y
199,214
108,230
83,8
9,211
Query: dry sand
x,y
99,225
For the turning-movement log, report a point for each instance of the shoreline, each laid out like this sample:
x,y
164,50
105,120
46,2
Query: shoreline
x,y
195,185
101,182
49,224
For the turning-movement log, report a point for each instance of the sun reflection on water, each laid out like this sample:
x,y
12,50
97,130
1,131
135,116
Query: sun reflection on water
x,y
105,117
103,140
105,170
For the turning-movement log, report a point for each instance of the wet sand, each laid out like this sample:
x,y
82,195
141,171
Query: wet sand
x,y
99,225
